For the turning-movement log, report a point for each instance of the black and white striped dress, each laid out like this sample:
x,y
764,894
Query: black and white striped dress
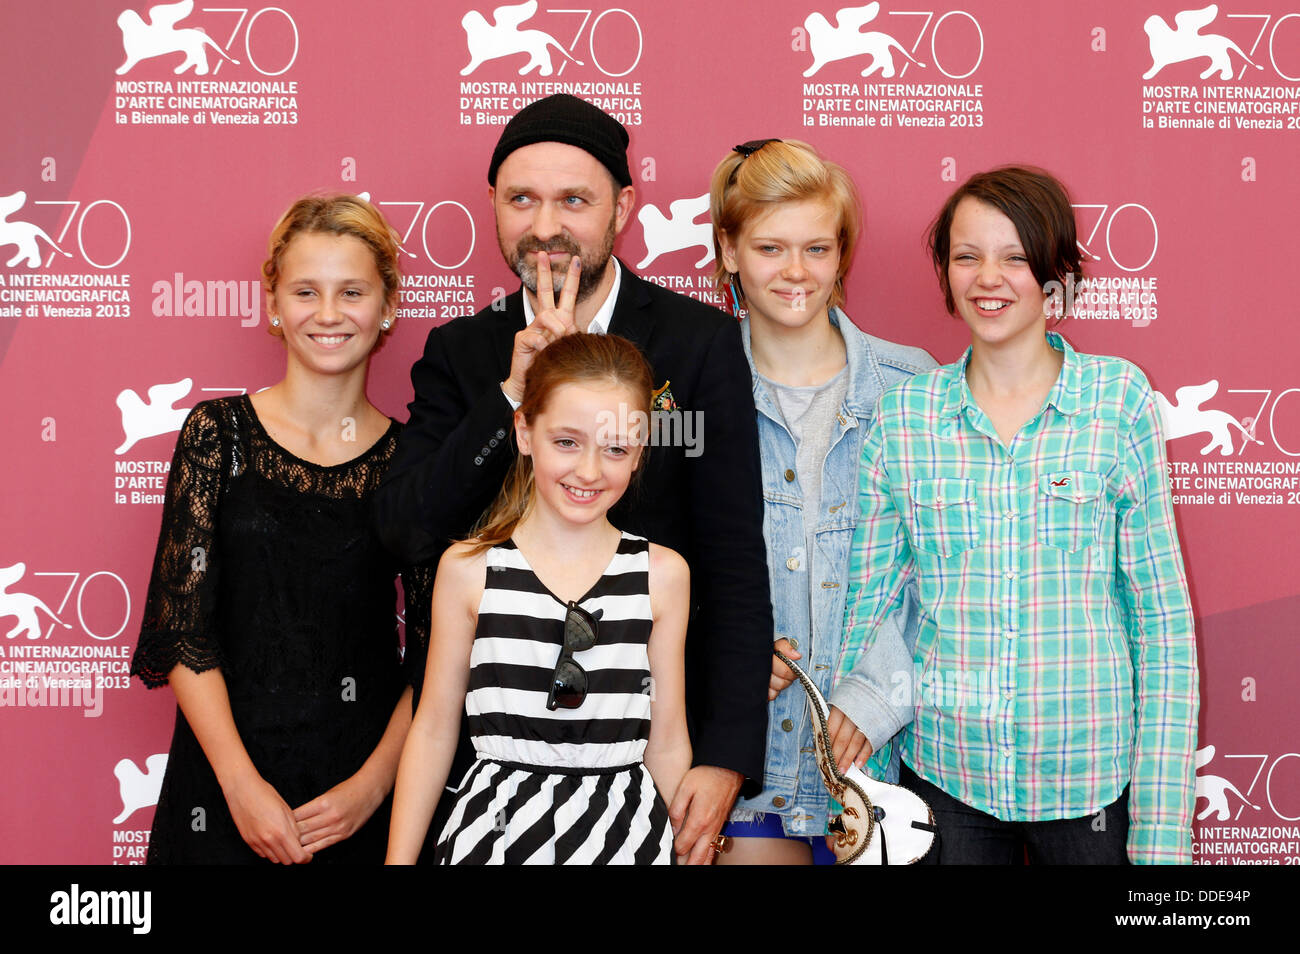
x,y
569,786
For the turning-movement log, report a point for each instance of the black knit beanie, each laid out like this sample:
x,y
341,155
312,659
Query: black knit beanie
x,y
572,121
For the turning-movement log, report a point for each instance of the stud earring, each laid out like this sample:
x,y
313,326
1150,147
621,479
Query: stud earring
x,y
275,322
385,324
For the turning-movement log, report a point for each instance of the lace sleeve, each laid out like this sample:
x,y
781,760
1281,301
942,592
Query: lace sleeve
x,y
179,609
417,589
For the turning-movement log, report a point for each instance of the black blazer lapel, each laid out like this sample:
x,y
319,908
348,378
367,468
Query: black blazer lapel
x,y
632,310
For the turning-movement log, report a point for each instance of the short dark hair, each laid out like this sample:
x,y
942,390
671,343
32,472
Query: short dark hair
x,y
1039,207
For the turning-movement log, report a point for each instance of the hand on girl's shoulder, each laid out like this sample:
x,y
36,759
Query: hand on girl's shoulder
x,y
670,580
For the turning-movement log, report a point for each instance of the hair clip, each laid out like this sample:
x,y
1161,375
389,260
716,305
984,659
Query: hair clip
x,y
746,149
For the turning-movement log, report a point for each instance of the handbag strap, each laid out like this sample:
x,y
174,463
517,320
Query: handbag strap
x,y
837,783
833,778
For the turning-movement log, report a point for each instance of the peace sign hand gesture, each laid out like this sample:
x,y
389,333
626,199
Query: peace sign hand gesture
x,y
550,322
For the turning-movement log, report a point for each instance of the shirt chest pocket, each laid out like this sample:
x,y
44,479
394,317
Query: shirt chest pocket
x,y
945,515
1068,503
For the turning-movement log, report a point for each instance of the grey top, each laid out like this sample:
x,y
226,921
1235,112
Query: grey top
x,y
809,413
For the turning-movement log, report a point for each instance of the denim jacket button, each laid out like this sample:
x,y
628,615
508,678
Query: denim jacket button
x,y
778,802
792,563
789,476
788,725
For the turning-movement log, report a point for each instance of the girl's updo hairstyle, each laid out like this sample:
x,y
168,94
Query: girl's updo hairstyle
x,y
600,360
1039,207
337,213
745,186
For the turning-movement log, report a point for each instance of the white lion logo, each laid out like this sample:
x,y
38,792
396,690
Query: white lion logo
x,y
1214,789
22,605
22,234
502,37
141,420
1187,43
830,43
158,37
676,231
1186,417
139,789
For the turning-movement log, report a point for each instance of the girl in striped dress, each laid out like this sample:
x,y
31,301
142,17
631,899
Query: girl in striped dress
x,y
562,637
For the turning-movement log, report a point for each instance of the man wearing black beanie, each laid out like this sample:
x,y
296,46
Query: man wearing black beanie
x,y
561,191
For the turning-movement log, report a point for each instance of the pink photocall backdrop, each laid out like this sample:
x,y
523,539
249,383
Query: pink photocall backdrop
x,y
148,150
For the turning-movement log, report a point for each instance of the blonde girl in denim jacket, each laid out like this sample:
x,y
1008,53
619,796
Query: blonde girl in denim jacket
x,y
785,224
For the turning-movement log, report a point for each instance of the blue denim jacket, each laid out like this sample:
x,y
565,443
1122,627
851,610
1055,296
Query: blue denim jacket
x,y
792,784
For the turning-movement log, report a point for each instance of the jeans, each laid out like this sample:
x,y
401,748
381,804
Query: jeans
x,y
969,837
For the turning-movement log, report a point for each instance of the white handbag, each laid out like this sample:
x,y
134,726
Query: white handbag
x,y
880,824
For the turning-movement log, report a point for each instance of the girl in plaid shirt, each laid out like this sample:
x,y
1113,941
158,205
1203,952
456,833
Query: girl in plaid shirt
x,y
1024,490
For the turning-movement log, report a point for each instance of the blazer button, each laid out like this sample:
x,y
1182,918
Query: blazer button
x,y
484,451
789,476
787,725
478,461
492,443
501,433
778,802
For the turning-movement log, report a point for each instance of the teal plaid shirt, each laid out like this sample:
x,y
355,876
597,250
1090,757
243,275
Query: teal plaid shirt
x,y
1056,657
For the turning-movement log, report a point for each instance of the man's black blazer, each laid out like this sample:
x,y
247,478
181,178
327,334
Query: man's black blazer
x,y
454,453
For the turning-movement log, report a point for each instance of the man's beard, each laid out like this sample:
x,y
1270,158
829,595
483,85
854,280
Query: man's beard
x,y
523,261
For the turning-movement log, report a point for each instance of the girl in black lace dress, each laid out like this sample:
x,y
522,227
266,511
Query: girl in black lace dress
x,y
271,604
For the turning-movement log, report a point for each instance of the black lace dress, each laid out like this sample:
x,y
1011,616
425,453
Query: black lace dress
x,y
268,568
